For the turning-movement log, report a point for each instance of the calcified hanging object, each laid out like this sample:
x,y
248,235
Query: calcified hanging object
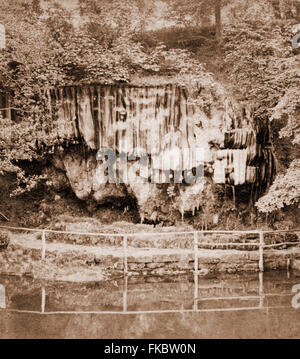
x,y
160,122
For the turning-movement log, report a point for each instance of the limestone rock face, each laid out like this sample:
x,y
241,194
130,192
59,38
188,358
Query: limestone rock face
x,y
162,122
79,172
86,177
175,134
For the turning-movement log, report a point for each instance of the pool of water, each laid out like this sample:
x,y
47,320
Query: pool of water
x,y
228,306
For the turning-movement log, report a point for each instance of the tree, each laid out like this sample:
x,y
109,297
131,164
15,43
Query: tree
x,y
197,13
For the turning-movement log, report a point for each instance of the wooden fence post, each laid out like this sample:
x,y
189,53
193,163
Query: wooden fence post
x,y
125,293
261,251
43,245
195,271
261,289
196,285
43,300
288,264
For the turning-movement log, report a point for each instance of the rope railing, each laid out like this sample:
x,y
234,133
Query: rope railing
x,y
128,234
147,311
255,231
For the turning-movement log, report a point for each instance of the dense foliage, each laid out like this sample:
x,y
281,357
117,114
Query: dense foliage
x,y
4,240
264,68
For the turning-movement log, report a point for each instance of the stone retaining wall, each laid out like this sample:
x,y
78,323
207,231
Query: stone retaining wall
x,y
227,261
27,261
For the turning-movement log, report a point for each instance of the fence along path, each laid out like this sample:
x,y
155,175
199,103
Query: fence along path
x,y
260,244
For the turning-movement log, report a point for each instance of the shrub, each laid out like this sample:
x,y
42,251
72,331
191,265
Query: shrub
x,y
4,240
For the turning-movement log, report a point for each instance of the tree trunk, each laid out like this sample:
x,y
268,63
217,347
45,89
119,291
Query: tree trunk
x,y
218,20
276,8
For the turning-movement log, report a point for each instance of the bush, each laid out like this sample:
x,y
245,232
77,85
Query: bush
x,y
4,240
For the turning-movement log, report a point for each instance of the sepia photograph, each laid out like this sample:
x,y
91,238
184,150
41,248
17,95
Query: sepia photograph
x,y
149,172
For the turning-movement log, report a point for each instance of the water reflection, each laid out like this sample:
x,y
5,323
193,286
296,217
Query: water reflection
x,y
2,297
137,307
